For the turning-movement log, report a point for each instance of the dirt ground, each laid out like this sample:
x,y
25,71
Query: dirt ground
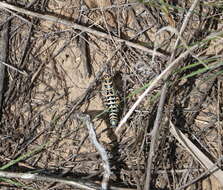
x,y
58,73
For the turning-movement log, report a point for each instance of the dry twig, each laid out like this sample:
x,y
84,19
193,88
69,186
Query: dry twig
x,y
155,135
7,6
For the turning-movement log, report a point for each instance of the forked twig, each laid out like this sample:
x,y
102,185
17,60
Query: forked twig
x,y
92,136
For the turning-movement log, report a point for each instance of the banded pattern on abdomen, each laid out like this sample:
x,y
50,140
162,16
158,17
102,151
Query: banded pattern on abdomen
x,y
111,100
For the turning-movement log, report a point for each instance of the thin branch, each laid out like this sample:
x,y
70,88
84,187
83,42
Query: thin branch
x,y
13,68
155,136
28,176
51,18
3,56
93,138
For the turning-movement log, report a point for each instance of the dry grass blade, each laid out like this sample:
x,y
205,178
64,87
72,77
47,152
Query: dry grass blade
x,y
196,153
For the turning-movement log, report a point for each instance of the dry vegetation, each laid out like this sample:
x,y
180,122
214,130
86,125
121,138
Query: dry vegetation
x,y
57,56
